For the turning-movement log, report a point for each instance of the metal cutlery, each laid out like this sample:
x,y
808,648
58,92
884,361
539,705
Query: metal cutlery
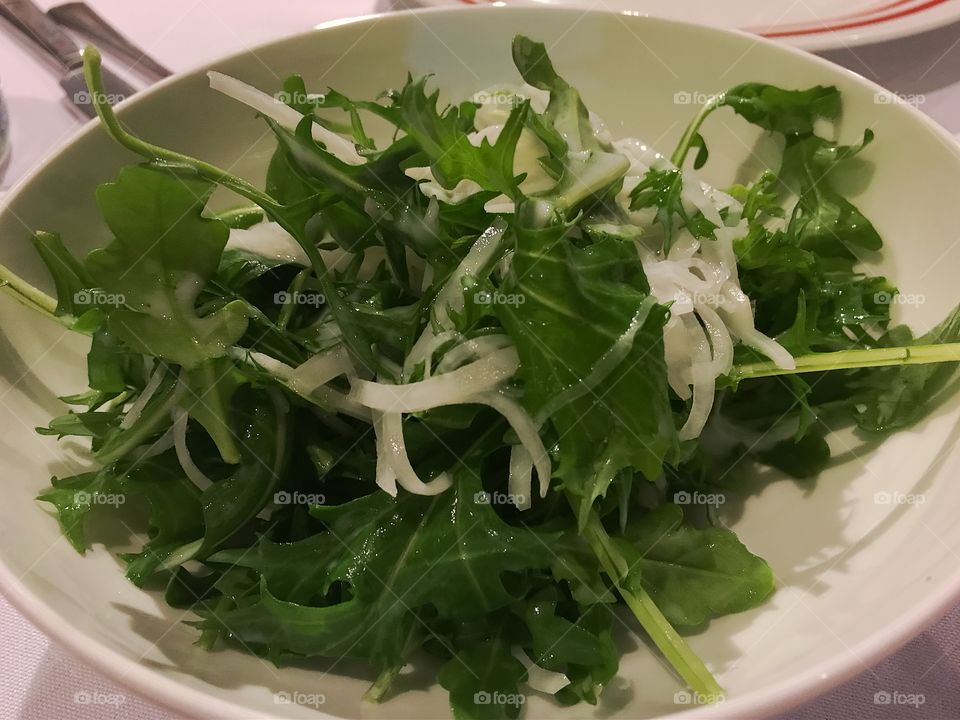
x,y
50,37
81,18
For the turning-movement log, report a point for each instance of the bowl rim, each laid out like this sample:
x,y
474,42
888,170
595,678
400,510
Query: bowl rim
x,y
173,695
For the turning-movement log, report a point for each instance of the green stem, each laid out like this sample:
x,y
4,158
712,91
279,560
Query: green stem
x,y
275,210
29,296
683,147
853,359
383,683
674,648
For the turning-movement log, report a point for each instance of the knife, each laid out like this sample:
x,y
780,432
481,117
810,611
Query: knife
x,y
50,38
82,18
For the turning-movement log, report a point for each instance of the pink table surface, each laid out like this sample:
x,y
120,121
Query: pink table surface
x,y
40,681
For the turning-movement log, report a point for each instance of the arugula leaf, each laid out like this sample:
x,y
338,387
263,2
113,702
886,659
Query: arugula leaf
x,y
695,575
69,276
823,220
484,682
591,351
396,556
207,392
897,397
162,255
442,136
788,112
588,166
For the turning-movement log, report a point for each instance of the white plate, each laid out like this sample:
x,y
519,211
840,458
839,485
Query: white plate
x,y
808,24
856,576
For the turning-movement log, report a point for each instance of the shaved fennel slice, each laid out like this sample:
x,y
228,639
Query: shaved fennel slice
x,y
190,469
453,388
519,485
283,114
525,428
392,451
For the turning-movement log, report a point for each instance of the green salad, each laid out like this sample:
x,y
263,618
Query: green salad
x,y
466,393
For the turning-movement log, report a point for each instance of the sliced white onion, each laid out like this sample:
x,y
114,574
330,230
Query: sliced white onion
x,y
133,414
525,428
190,469
286,374
320,369
739,316
472,349
453,388
393,452
422,352
283,114
386,476
450,297
519,485
704,381
539,678
157,447
720,343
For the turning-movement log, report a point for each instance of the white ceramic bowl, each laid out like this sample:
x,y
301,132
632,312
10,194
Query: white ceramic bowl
x,y
857,577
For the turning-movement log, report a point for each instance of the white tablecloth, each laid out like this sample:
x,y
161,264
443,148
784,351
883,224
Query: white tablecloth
x,y
39,681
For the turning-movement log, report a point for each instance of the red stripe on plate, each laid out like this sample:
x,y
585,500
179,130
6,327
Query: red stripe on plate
x,y
857,23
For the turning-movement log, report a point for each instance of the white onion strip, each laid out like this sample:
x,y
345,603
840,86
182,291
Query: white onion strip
x,y
321,369
519,485
286,374
193,473
539,678
525,428
133,414
283,114
450,296
704,381
472,349
453,388
393,451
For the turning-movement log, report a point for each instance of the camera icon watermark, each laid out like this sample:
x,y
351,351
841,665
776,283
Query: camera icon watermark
x,y
691,97
889,298
95,697
688,697
299,298
684,497
898,498
299,98
485,297
298,498
305,699
499,498
83,498
485,97
896,697
85,97
99,297
892,98
499,698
